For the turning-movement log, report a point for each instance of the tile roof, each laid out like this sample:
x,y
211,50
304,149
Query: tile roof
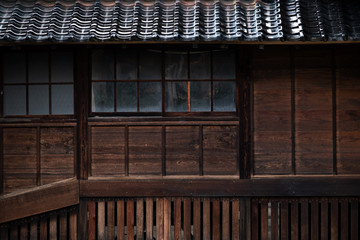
x,y
249,20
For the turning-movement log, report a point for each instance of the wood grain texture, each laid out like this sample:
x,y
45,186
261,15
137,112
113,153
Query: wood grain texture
x,y
63,226
304,221
140,219
187,218
206,219
110,219
120,219
167,219
73,220
225,219
107,151
92,220
274,220
101,230
220,150
130,215
145,150
177,218
334,219
149,218
182,150
159,218
324,219
197,219
43,229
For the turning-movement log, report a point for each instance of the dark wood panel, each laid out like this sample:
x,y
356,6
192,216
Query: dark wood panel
x,y
220,150
271,57
312,56
145,150
182,150
107,151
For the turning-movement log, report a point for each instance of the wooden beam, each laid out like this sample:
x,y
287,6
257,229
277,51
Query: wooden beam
x,y
39,200
285,187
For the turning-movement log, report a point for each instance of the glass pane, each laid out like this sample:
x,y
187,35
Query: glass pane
x,y
62,67
224,97
14,67
176,97
38,67
102,65
14,100
224,64
126,66
150,65
126,100
39,100
200,96
103,97
200,65
62,99
150,97
176,66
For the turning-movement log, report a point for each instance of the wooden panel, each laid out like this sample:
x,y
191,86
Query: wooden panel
x,y
334,219
53,227
130,219
24,231
348,120
324,216
284,221
110,219
354,219
315,226
313,121
4,233
272,121
63,226
305,56
149,218
107,151
139,219
220,150
271,57
344,219
101,235
145,150
182,150
92,220
20,158
53,196
225,231
44,229
120,216
33,230
255,234
57,149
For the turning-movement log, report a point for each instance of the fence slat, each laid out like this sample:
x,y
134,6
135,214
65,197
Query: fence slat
x,y
225,233
304,204
92,220
53,227
264,220
344,223
33,230
43,229
284,222
274,220
167,218
315,220
294,211
73,226
149,219
216,219
63,226
334,220
197,219
160,218
177,218
354,218
130,219
101,221
110,220
4,233
235,219
206,218
120,219
14,233
139,219
324,219
24,231
187,219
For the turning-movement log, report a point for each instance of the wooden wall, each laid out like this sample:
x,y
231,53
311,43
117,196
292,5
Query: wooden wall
x,y
37,154
306,106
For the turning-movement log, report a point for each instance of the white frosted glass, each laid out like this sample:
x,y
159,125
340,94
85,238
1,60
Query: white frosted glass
x,y
150,97
14,100
62,99
39,100
103,97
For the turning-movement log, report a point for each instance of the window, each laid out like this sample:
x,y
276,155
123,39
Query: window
x,y
163,81
38,83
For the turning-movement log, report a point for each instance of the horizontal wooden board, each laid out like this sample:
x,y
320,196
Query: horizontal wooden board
x,y
277,121
272,142
305,57
57,140
272,78
182,150
272,100
19,141
145,150
220,150
272,163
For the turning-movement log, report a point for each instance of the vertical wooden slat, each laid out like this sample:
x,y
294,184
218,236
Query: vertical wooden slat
x,y
197,219
206,218
324,219
53,227
294,219
83,220
334,220
110,220
248,218
354,218
315,220
225,233
304,220
43,229
34,230
4,233
264,220
101,221
160,218
92,220
235,219
274,220
24,232
187,219
242,218
215,226
284,224
130,219
73,226
177,218
149,219
167,218
63,226
139,219
120,217
14,233
344,222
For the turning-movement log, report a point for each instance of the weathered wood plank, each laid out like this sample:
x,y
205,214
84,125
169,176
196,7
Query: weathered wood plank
x,y
160,218
14,233
215,219
274,220
315,226
120,219
304,229
53,231
92,220
53,196
101,234
139,219
73,219
4,233
206,231
130,219
225,223
324,216
43,229
34,230
334,219
63,226
187,218
354,218
177,218
149,218
284,220
110,219
197,218
83,220
235,219
344,219
254,220
264,220
24,231
167,219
